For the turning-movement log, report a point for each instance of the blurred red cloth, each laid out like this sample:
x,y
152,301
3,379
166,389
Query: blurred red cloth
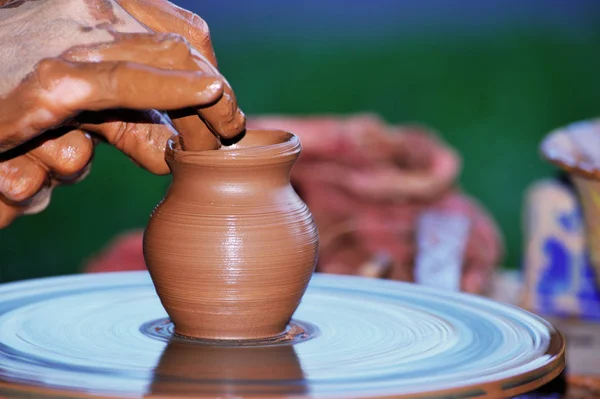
x,y
124,252
366,183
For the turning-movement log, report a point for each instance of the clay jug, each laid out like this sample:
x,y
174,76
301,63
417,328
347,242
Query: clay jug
x,y
232,247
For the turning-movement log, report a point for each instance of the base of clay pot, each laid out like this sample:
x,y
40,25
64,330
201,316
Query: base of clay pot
x,y
228,327
230,338
294,333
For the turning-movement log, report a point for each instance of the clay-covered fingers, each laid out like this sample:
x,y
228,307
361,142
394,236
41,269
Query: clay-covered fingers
x,y
58,90
172,52
21,178
164,16
159,50
66,156
225,118
24,188
28,178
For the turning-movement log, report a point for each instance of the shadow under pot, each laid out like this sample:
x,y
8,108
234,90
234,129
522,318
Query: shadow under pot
x,y
232,247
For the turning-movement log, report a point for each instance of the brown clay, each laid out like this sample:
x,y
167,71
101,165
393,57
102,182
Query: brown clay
x,y
232,247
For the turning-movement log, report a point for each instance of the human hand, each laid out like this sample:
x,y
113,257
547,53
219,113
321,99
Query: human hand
x,y
94,56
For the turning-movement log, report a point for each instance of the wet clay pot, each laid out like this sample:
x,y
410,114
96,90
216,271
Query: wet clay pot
x,y
232,247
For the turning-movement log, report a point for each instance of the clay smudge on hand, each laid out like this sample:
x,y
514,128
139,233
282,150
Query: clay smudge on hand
x,y
102,11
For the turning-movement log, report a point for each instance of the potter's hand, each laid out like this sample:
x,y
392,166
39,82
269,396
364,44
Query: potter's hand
x,y
44,135
31,31
224,117
56,92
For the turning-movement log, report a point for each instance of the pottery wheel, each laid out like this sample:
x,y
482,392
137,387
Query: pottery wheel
x,y
107,335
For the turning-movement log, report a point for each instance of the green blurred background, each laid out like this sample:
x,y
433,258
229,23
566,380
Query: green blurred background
x,y
493,80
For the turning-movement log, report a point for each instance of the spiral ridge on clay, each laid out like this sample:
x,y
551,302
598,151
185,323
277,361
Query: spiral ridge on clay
x,y
232,247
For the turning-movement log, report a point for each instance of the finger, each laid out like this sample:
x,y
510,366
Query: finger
x,y
66,155
163,16
21,178
161,51
123,84
225,117
142,140
169,51
195,133
59,89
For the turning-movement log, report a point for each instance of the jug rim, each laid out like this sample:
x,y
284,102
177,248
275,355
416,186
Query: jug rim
x,y
258,147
